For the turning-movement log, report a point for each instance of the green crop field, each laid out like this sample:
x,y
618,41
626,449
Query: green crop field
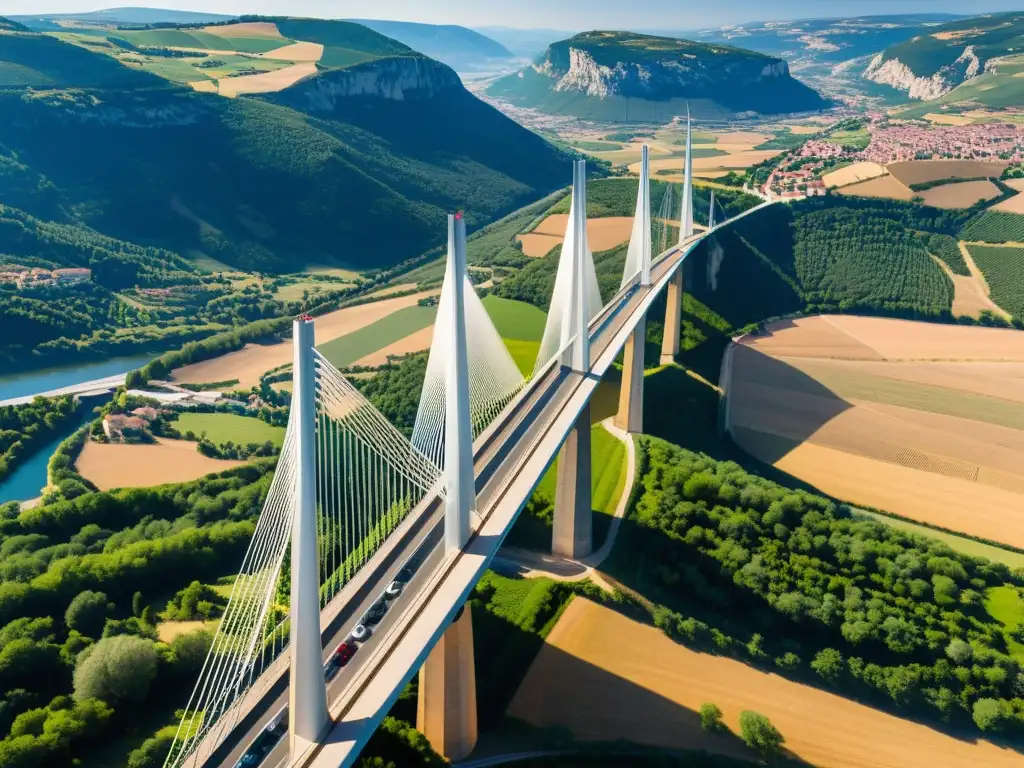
x,y
1003,268
595,146
524,353
958,543
995,227
346,350
178,38
15,75
222,427
516,319
858,139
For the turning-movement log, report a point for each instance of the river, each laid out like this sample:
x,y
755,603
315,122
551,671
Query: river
x,y
26,383
28,478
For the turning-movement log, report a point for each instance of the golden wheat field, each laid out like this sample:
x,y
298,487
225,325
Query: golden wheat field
x,y
961,194
602,234
604,676
919,419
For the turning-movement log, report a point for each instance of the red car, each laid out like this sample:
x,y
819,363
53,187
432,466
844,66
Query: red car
x,y
344,653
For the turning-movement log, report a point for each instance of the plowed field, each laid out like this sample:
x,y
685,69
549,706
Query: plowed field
x,y
919,419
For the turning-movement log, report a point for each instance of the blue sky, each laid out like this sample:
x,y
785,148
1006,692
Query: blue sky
x,y
571,15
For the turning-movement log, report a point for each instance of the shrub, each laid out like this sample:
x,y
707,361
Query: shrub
x,y
759,734
87,613
116,669
711,717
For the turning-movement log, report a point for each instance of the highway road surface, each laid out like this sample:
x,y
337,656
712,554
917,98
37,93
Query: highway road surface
x,y
510,458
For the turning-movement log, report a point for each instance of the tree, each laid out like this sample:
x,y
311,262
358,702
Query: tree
x,y
87,613
828,663
137,604
152,752
991,714
759,734
711,717
960,651
190,651
116,669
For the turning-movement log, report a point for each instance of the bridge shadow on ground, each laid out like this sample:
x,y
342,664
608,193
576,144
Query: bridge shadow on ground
x,y
559,701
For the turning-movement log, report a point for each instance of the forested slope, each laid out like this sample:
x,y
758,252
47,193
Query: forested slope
x,y
318,173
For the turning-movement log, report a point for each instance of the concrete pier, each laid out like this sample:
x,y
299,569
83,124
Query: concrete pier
x,y
446,709
673,318
630,417
572,534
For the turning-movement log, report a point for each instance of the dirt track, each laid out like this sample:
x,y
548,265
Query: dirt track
x,y
604,676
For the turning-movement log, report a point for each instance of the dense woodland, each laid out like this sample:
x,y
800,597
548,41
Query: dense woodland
x,y
25,428
787,579
80,582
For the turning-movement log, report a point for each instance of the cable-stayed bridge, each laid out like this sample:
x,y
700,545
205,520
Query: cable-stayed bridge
x,y
369,544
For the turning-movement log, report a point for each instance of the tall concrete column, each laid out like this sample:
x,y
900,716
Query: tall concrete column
x,y
631,394
458,449
575,323
686,214
446,708
673,318
572,535
307,692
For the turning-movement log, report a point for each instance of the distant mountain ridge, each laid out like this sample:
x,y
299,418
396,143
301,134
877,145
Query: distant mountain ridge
x,y
356,165
930,65
127,15
629,77
823,39
458,47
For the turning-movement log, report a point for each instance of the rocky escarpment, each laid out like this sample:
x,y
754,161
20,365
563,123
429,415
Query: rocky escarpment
x,y
399,78
617,66
895,73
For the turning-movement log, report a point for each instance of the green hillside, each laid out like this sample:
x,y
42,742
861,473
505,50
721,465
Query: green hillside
x,y
1001,86
988,37
252,182
817,255
11,26
630,77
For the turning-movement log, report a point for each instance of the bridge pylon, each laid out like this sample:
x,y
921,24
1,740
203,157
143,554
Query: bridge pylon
x,y
576,318
307,693
711,211
638,257
686,214
460,500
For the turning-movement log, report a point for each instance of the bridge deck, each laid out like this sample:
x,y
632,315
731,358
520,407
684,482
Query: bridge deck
x,y
511,457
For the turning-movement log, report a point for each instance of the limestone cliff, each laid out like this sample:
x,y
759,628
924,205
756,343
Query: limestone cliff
x,y
399,78
615,66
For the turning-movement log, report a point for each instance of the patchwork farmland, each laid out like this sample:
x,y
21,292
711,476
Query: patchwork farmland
x,y
921,420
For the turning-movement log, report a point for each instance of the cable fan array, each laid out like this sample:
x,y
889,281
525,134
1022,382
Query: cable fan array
x,y
494,377
252,631
561,297
368,479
